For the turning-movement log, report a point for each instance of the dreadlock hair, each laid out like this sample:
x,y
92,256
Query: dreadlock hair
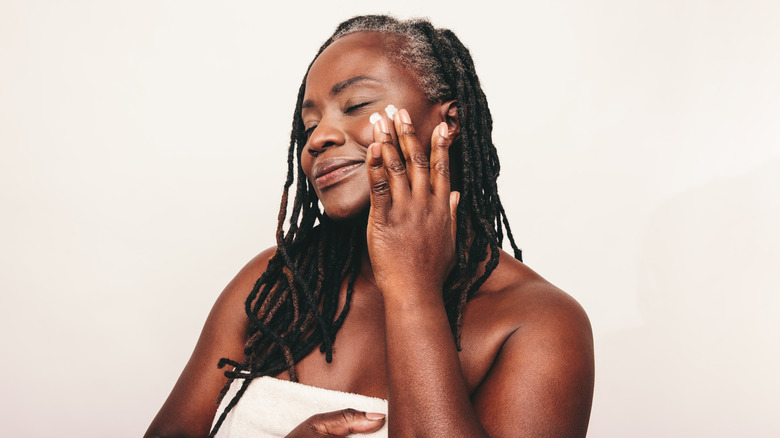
x,y
292,308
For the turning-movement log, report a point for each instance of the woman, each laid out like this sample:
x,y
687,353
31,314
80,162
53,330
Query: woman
x,y
399,289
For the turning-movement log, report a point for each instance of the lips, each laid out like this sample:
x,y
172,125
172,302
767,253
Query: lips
x,y
334,170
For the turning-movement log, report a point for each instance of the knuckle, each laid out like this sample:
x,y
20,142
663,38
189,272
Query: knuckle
x,y
349,413
407,129
396,166
380,187
444,145
442,168
420,160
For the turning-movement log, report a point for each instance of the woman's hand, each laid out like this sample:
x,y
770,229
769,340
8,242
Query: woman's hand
x,y
338,424
411,244
411,224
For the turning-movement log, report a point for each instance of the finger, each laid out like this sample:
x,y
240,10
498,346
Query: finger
x,y
379,186
454,201
440,160
394,167
381,131
346,421
417,163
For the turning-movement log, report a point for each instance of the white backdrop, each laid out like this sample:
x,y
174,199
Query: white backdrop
x,y
143,154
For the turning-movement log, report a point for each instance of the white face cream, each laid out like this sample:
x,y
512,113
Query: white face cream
x,y
390,110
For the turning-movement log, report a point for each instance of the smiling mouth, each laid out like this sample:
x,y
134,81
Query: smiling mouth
x,y
333,171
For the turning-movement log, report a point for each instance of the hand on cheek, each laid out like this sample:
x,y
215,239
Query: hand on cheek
x,y
411,223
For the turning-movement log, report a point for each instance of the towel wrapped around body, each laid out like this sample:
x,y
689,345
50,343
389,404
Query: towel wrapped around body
x,y
273,407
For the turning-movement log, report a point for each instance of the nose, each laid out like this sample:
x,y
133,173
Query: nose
x,y
325,135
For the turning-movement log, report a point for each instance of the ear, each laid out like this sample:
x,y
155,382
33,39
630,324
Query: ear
x,y
449,114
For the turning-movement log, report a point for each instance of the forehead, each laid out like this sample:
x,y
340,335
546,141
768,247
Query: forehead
x,y
356,54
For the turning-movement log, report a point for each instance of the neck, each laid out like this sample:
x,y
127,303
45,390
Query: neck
x,y
358,225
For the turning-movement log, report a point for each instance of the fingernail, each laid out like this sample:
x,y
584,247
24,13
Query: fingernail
x,y
384,127
443,131
404,116
374,416
376,150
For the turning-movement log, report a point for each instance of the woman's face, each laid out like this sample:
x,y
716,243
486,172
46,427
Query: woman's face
x,y
348,82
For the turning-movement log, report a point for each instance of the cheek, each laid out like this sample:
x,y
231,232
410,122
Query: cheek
x,y
425,117
307,163
423,127
362,130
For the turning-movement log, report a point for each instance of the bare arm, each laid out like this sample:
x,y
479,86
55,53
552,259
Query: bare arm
x,y
427,392
190,407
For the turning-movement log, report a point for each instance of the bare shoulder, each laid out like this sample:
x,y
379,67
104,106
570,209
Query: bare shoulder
x,y
244,281
516,298
542,373
536,300
190,407
228,312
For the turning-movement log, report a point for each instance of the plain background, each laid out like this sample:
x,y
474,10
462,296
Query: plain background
x,y
143,154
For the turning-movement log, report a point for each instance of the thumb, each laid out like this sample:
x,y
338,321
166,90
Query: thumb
x,y
346,421
454,201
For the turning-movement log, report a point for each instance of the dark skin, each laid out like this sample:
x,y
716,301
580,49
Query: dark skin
x,y
526,364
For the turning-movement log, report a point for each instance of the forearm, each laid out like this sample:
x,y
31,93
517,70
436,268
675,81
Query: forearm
x,y
427,393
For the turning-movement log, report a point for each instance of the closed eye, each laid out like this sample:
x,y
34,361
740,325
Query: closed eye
x,y
354,108
309,130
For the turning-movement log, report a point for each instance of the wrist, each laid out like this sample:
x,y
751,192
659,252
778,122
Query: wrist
x,y
413,298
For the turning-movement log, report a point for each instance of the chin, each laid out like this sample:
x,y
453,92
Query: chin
x,y
345,203
346,215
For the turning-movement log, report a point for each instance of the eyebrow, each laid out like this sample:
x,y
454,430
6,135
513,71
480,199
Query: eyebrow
x,y
343,85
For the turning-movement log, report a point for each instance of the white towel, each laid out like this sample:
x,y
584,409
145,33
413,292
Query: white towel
x,y
272,407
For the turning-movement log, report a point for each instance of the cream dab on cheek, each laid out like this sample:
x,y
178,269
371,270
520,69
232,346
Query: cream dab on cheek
x,y
390,110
